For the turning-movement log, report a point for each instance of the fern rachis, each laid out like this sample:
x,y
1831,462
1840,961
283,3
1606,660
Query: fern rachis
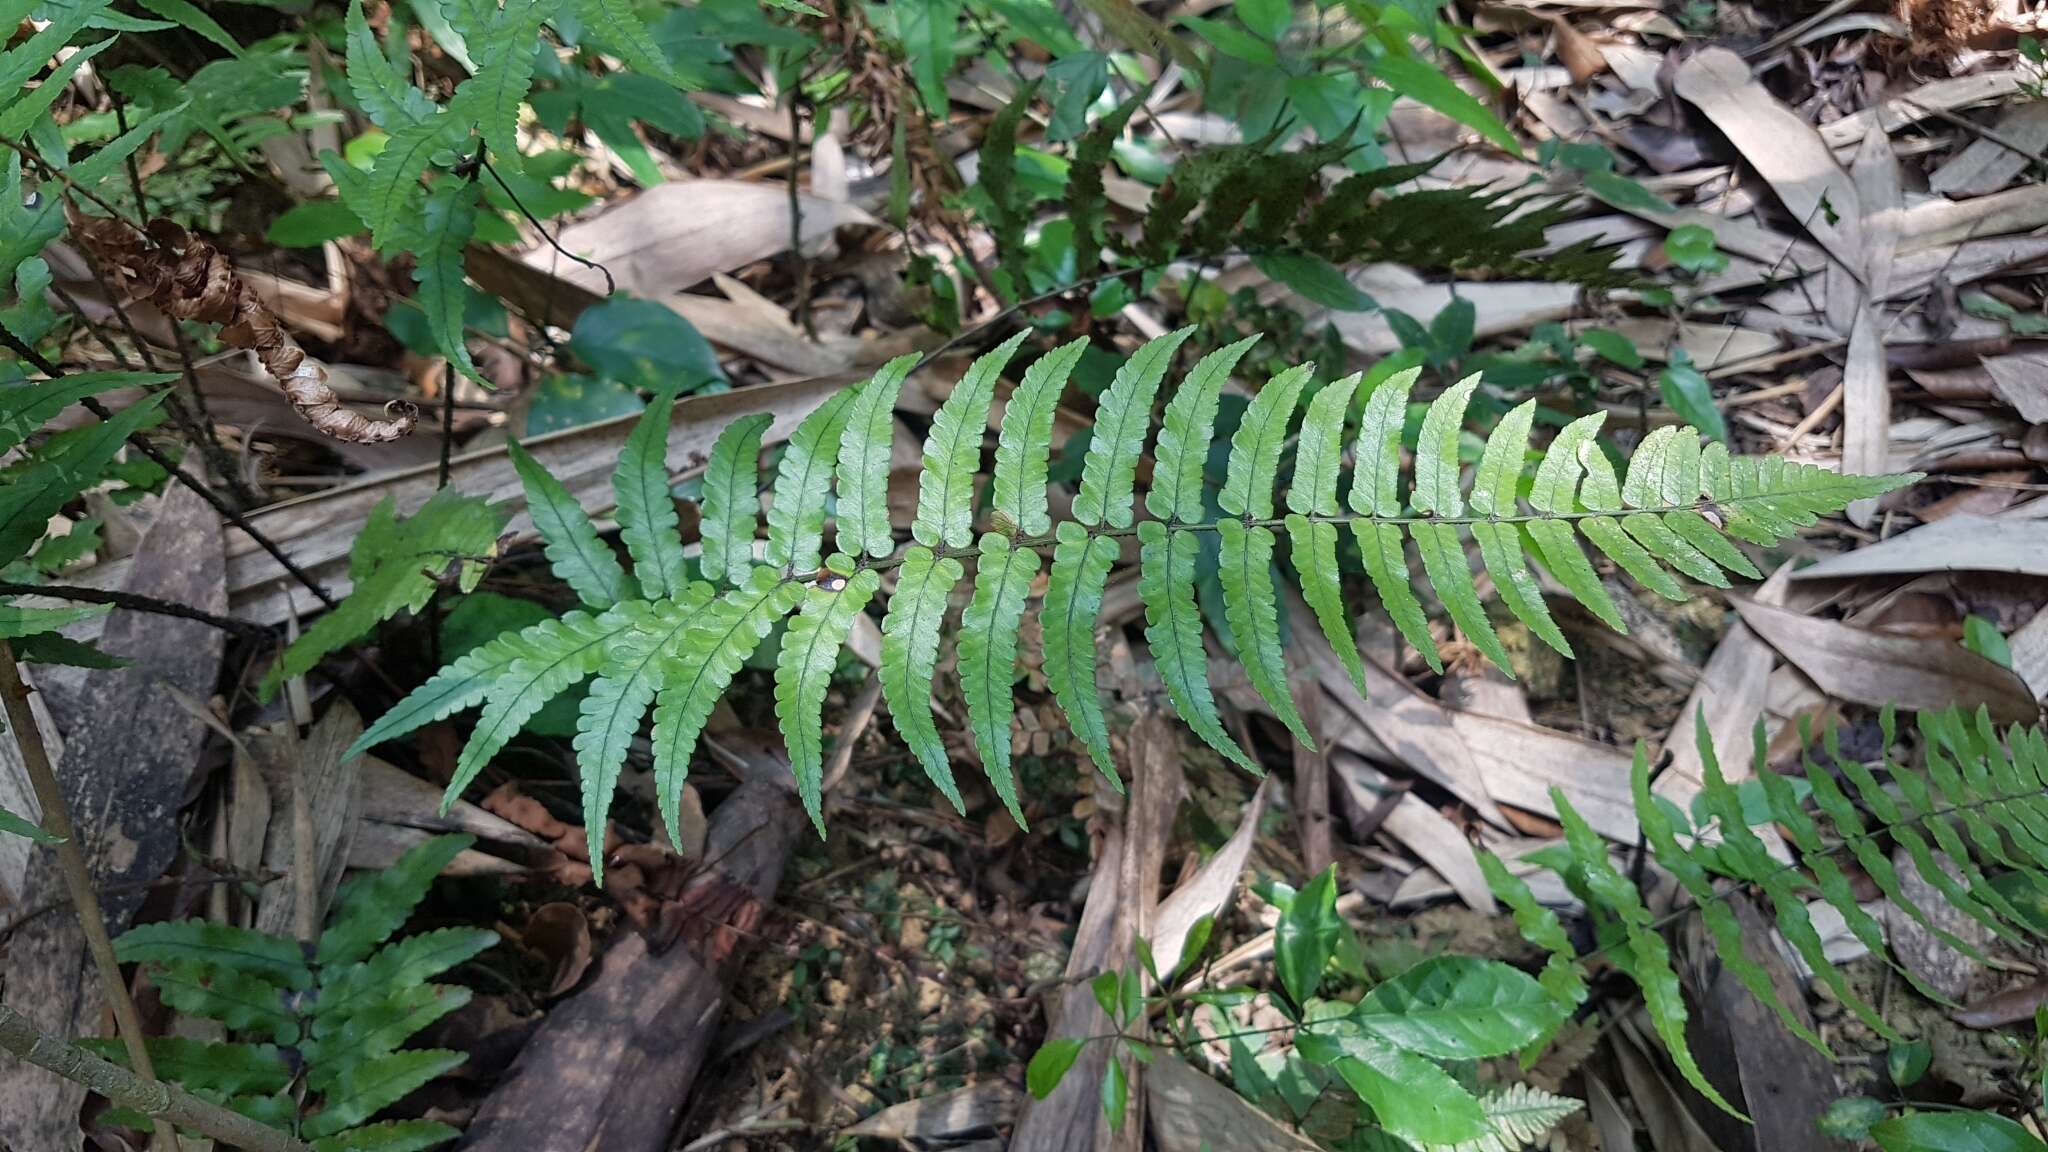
x,y
1672,507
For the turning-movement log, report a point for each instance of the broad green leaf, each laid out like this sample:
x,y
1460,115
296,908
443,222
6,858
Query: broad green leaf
x,y
1420,81
575,553
1185,434
1306,937
864,462
1410,1097
1109,471
1050,1063
1963,1131
1315,279
1253,611
803,672
648,523
1255,448
988,657
952,454
1458,1008
910,653
13,825
1173,633
731,509
1025,445
796,516
1073,597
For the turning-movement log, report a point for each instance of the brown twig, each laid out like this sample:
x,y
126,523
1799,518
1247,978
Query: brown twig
x,y
77,873
167,1104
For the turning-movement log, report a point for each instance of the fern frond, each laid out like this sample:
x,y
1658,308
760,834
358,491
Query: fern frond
x,y
387,98
620,28
732,500
1517,1117
362,1090
500,38
376,904
1563,976
351,990
222,946
447,221
952,454
389,1136
803,670
685,645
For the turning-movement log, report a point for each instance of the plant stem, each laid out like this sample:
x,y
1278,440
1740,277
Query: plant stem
x,y
134,603
168,1104
77,873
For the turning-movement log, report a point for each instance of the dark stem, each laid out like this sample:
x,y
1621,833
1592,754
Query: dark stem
x,y
198,487
134,603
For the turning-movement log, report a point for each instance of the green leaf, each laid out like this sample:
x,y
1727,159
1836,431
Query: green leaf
x,y
390,1136
952,454
1421,82
1253,611
1255,448
1173,633
1458,1008
348,992
26,405
1687,392
610,715
1050,1063
19,118
1906,1062
376,904
1268,18
700,668
394,564
1851,1118
927,29
864,462
1313,552
647,345
575,553
215,946
1519,1117
1185,434
910,653
1320,454
500,39
1306,937
1073,598
1410,1097
1612,346
12,825
731,509
368,1088
803,672
988,657
1315,279
1443,558
1025,445
206,1066
313,223
1625,194
1116,1093
32,497
1953,1132
618,27
387,98
1982,637
797,6
243,1002
1109,471
648,523
796,516
18,621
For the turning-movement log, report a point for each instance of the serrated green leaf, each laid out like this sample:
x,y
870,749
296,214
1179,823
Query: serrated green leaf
x,y
618,27
18,620
697,672
376,904
368,1088
1185,434
1073,598
1109,471
1253,611
952,453
1255,448
988,657
243,1002
1025,445
910,653
500,38
864,462
1173,633
796,516
1562,974
1386,564
1378,455
28,502
1313,552
1443,558
20,116
389,1136
448,221
803,671
1516,1118
1320,453
575,553
347,991
731,510
215,945
387,98
648,523
1436,453
376,1030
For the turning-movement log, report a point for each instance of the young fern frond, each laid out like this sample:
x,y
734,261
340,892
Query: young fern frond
x,y
1992,784
691,625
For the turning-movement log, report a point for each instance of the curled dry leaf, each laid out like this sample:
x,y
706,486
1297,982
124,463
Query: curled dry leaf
x,y
1577,52
189,279
560,934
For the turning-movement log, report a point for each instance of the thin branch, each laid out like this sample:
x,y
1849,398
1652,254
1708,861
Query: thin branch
x,y
611,286
77,873
135,603
168,1104
141,444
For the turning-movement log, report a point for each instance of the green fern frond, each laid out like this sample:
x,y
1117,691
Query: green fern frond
x,y
569,540
684,645
1517,1117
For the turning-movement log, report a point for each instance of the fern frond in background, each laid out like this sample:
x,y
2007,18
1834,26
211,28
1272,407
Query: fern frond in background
x,y
1990,784
333,1026
1680,504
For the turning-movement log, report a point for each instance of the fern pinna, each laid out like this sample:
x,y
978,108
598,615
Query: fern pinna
x,y
674,632
1972,813
320,1032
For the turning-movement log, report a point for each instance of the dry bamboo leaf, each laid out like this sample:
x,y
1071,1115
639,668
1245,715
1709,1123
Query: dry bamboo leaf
x,y
187,278
945,1116
1577,52
2021,380
1207,892
1916,673
1956,544
1191,1112
1923,102
1986,165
